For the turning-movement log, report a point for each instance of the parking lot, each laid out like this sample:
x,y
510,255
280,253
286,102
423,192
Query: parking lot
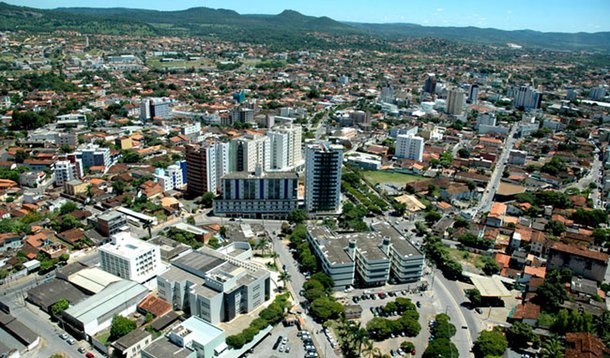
x,y
427,311
265,347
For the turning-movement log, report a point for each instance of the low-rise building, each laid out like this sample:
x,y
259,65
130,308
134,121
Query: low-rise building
x,y
111,223
588,264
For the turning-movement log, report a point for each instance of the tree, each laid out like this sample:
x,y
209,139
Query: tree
x,y
378,328
58,307
552,348
601,325
443,328
119,186
324,279
407,346
121,326
26,120
552,293
65,149
441,347
555,227
297,216
313,290
463,153
474,296
147,225
519,335
67,208
236,341
325,308
432,216
213,242
21,156
130,156
207,199
285,278
64,257
490,343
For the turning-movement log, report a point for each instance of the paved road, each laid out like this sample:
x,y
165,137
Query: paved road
x,y
496,176
296,284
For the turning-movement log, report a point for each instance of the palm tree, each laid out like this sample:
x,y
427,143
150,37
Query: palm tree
x,y
285,278
602,325
148,225
552,348
369,350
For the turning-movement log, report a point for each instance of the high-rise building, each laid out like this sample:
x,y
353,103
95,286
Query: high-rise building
x,y
598,93
205,166
248,152
285,147
430,84
65,171
387,93
94,155
409,147
526,97
323,176
155,108
473,94
130,258
258,195
455,102
170,178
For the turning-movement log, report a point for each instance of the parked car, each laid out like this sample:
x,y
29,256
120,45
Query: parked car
x,y
90,355
63,336
81,350
71,341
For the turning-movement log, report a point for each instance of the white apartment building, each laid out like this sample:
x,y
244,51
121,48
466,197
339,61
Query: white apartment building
x,y
250,151
410,147
94,155
192,129
130,258
170,178
64,172
217,164
286,151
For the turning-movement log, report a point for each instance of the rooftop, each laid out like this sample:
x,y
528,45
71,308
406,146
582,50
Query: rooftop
x,y
130,339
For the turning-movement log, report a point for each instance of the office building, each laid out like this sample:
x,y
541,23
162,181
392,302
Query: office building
x,y
71,120
248,152
473,94
155,108
409,147
94,155
487,119
323,176
387,93
366,259
285,147
215,286
191,130
94,314
130,258
430,84
260,195
242,115
205,165
455,102
110,223
525,97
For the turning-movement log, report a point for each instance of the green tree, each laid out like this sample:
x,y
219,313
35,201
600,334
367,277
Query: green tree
x,y
378,328
474,296
441,348
236,341
432,216
324,279
214,243
67,208
26,121
121,326
207,199
519,335
297,216
555,227
490,343
58,307
130,156
64,257
325,308
490,267
443,328
119,186
552,348
407,346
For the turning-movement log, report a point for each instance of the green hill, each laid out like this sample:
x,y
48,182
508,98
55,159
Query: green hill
x,y
287,30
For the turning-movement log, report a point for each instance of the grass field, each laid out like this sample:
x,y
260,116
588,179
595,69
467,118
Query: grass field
x,y
398,179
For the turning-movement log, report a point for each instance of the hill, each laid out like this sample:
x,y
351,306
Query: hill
x,y
287,30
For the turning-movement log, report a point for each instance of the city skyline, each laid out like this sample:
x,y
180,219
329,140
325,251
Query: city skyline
x,y
589,16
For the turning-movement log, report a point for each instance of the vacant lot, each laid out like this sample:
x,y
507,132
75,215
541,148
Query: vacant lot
x,y
398,179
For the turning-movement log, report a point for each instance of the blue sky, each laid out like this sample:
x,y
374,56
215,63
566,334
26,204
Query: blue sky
x,y
541,15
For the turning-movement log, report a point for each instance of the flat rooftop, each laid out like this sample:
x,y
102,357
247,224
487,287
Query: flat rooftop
x,y
198,262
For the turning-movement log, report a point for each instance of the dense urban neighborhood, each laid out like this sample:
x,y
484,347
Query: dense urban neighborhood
x,y
186,196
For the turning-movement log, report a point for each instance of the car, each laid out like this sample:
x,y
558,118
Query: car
x,y
373,309
63,336
393,335
413,352
418,304
90,355
287,350
281,348
71,341
404,292
285,340
479,310
403,333
81,350
392,353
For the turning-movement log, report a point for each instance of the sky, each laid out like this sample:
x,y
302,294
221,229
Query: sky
x,y
540,15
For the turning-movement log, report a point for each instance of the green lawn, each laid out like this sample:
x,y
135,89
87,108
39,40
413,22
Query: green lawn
x,y
399,179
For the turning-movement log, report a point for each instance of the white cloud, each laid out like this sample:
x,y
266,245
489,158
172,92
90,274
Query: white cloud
x,y
440,9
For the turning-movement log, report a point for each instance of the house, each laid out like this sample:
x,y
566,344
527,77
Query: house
x,y
456,192
585,345
527,313
583,262
131,345
10,241
496,215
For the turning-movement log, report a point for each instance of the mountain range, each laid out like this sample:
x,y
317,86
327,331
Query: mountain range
x,y
289,29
